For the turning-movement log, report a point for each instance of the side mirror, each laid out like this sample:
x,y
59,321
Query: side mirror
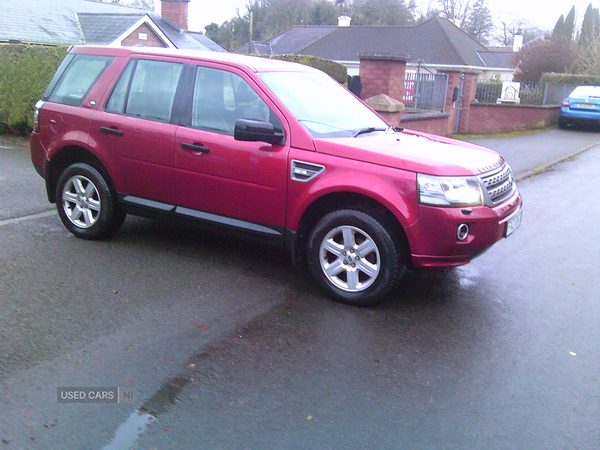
x,y
257,131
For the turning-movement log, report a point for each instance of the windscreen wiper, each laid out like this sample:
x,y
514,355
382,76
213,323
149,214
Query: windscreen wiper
x,y
369,130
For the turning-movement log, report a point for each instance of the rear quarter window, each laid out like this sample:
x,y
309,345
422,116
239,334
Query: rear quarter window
x,y
78,78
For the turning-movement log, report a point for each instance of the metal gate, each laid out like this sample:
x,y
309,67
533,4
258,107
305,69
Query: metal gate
x,y
425,91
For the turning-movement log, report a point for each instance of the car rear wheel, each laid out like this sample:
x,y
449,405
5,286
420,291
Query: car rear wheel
x,y
355,257
563,123
86,204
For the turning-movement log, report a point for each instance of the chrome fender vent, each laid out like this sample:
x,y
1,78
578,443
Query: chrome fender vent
x,y
303,171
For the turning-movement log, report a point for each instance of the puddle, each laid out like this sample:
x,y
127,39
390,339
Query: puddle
x,y
130,430
165,396
138,422
469,276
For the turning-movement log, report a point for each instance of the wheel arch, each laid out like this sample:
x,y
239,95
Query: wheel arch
x,y
344,200
64,158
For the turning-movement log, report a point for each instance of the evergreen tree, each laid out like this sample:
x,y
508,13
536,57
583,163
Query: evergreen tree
x,y
569,30
590,28
382,12
479,23
565,27
559,28
588,44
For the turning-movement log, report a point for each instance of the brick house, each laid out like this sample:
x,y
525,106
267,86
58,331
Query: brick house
x,y
436,43
72,22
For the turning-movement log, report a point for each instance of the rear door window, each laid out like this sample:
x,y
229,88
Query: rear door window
x,y
78,78
146,89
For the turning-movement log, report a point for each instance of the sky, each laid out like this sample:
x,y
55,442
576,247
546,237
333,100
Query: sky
x,y
540,13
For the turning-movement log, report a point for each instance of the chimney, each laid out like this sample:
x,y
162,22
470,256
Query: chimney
x,y
176,11
344,21
518,42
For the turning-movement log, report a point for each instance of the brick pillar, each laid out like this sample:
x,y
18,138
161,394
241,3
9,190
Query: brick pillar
x,y
469,90
388,108
382,74
176,11
451,107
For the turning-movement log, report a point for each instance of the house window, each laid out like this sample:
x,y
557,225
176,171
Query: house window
x,y
143,36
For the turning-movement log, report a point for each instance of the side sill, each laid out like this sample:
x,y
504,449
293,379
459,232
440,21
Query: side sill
x,y
220,224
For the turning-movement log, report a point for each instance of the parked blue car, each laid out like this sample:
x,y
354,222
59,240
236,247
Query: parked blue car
x,y
581,106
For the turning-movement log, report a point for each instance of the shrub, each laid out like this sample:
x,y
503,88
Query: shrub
x,y
540,56
335,70
567,78
25,73
488,92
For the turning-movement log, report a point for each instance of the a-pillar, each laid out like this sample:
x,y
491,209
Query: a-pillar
x,y
382,74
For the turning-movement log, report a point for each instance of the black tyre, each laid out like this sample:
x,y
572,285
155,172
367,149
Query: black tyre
x,y
86,204
563,123
355,257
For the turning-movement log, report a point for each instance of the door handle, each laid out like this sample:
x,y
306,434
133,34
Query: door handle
x,y
195,147
114,131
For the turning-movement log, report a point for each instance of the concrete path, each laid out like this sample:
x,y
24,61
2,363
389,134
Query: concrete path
x,y
526,153
529,153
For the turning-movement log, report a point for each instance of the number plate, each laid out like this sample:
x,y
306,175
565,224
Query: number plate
x,y
513,223
585,105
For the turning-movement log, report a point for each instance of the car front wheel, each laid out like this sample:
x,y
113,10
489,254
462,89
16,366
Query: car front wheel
x,y
355,257
86,205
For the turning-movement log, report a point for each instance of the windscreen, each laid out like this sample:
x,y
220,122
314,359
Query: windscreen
x,y
321,105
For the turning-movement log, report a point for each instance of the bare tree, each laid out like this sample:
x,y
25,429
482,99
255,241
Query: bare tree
x,y
426,11
455,10
509,26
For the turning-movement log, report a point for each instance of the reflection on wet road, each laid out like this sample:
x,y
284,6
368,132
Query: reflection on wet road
x,y
229,347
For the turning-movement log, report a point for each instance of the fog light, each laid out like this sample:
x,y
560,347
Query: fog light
x,y
462,232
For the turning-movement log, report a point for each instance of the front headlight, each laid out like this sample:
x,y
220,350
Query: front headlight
x,y
449,191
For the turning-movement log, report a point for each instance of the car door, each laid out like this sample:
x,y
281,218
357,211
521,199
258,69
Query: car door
x,y
220,179
137,124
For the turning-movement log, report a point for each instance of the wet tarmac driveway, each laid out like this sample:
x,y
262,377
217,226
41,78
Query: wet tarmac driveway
x,y
226,346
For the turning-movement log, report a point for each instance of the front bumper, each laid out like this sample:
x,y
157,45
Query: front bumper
x,y
434,241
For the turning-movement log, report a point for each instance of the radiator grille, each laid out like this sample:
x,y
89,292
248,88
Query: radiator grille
x,y
500,183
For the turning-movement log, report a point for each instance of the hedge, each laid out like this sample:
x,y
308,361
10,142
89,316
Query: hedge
x,y
25,71
567,78
335,70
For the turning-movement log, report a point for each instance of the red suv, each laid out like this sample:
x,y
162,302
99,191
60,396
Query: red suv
x,y
274,150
